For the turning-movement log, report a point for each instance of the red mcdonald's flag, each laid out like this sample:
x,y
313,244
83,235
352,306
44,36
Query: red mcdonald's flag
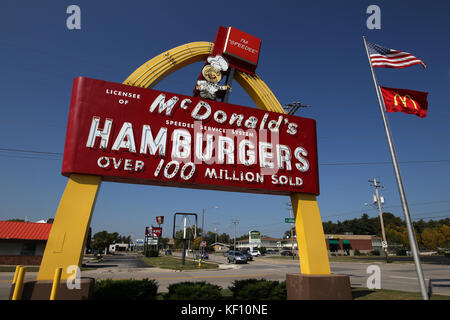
x,y
407,101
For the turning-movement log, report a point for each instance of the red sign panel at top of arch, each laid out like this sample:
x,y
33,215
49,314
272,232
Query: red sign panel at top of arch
x,y
242,46
136,135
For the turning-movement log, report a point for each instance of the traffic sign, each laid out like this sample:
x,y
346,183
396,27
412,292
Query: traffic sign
x,y
203,244
384,244
289,220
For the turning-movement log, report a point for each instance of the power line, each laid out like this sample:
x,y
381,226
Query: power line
x,y
381,162
322,164
30,151
344,214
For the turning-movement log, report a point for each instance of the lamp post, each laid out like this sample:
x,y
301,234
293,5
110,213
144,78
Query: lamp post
x,y
203,224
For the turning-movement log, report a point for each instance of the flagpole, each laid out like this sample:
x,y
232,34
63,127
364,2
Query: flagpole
x,y
409,226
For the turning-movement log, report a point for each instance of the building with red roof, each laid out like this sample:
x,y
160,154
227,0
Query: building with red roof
x,y
23,243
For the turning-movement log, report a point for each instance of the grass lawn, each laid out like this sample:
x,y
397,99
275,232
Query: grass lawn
x,y
13,269
281,257
382,294
174,263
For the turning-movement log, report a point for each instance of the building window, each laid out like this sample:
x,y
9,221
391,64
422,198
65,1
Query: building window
x,y
28,249
334,245
346,246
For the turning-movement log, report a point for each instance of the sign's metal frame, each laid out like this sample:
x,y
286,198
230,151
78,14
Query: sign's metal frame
x,y
194,234
70,228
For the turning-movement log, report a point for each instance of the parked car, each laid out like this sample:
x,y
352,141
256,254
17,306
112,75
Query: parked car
x,y
286,253
248,255
270,251
255,253
226,253
236,257
202,255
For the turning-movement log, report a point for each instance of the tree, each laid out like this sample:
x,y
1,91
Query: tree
x,y
89,239
103,239
435,238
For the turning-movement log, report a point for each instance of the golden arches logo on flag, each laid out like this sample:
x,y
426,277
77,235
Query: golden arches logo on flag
x,y
404,100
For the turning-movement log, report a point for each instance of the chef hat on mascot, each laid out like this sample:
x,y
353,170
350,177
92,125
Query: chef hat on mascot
x,y
218,62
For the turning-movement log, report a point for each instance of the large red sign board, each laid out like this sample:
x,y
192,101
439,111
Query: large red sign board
x,y
135,135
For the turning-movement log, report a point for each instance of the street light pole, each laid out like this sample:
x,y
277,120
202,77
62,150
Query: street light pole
x,y
203,231
235,221
289,205
183,254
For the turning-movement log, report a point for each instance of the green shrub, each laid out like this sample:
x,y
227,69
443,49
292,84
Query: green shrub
x,y
253,289
375,253
400,252
125,289
151,253
279,292
447,255
357,253
193,291
262,250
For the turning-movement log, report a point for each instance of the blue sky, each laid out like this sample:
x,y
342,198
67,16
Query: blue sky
x,y
311,52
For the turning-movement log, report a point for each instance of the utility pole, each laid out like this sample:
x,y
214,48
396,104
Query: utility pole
x,y
183,255
203,230
289,208
216,230
376,186
292,108
235,221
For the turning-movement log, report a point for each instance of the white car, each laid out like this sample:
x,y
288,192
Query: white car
x,y
255,253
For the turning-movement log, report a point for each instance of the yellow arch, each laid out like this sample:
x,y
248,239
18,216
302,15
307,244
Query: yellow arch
x,y
68,235
156,69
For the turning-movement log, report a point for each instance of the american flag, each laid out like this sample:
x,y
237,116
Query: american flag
x,y
390,58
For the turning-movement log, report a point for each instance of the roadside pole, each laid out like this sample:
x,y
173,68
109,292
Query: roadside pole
x,y
383,233
183,255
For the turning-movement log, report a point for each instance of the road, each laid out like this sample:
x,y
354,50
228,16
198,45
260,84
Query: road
x,y
128,266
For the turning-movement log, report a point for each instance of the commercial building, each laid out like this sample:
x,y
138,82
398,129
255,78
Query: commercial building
x,y
23,243
220,247
340,244
346,244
